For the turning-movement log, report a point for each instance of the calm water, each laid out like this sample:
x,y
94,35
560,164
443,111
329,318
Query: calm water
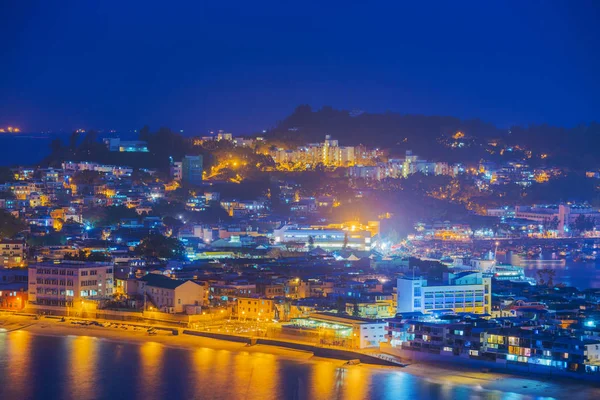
x,y
31,148
25,149
582,275
81,367
579,274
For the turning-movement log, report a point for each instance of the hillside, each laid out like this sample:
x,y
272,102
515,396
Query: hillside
x,y
431,136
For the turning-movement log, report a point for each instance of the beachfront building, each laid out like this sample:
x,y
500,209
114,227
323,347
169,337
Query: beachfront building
x,y
63,284
487,344
463,292
255,308
381,306
172,295
13,296
339,330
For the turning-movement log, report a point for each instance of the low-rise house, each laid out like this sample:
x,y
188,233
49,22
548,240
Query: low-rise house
x,y
171,295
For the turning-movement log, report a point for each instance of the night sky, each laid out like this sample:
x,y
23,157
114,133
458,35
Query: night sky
x,y
241,66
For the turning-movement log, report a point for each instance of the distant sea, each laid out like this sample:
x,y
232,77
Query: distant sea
x,y
31,148
25,149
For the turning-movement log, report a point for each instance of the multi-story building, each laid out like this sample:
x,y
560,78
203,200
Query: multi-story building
x,y
13,253
329,153
237,208
13,296
462,292
191,170
64,283
258,308
70,167
488,344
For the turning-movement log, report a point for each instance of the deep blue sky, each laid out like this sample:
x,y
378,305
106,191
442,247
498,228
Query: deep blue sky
x,y
243,65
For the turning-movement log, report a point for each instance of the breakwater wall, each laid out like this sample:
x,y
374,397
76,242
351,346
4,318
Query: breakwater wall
x,y
324,352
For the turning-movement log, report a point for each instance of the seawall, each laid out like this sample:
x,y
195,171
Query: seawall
x,y
315,350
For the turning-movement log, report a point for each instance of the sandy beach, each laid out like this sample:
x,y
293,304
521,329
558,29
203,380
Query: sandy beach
x,y
444,375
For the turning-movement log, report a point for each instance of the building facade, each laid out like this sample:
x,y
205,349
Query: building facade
x,y
191,170
69,283
464,292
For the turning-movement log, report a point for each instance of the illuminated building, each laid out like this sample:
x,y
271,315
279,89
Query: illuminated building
x,y
126,146
332,237
222,135
69,283
13,296
340,330
565,215
13,253
258,308
329,153
238,208
72,167
380,307
462,292
176,170
402,168
172,295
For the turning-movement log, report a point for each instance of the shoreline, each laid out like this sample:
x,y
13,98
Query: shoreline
x,y
436,374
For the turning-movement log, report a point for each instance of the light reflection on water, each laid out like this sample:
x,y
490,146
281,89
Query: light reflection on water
x,y
47,367
582,275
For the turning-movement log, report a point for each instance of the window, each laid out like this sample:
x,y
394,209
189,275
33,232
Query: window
x,y
84,273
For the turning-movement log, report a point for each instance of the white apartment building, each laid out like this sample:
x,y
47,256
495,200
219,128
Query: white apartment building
x,y
463,292
68,283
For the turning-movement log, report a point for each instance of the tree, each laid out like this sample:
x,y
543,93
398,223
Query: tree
x,y
87,177
159,246
549,273
355,309
9,225
345,245
55,146
6,175
83,256
583,223
311,243
103,216
73,140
